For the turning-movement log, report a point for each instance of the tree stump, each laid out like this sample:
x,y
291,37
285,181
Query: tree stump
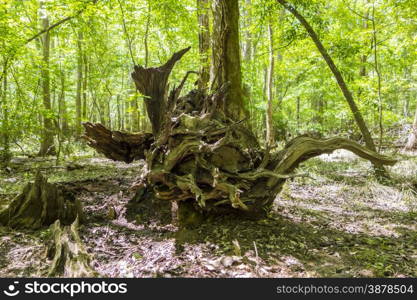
x,y
40,204
69,257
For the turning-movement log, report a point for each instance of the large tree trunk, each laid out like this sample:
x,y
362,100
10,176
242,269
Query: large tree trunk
x,y
204,43
152,82
200,156
226,56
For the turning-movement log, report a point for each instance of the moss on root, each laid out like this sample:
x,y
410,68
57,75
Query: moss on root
x,y
40,204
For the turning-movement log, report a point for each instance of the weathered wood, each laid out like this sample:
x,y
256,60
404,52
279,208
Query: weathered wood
x,y
69,256
40,204
204,160
117,145
152,82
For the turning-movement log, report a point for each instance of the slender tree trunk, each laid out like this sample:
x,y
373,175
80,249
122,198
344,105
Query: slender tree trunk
x,y
406,105
204,43
298,112
78,96
226,56
47,144
102,111
84,111
378,73
134,108
119,114
362,71
340,81
412,138
146,37
318,107
5,121
265,99
269,88
247,50
62,106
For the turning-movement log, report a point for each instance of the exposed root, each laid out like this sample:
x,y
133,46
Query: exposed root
x,y
40,204
302,148
200,156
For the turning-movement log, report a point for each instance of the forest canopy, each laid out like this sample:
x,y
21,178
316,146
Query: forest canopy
x,y
90,57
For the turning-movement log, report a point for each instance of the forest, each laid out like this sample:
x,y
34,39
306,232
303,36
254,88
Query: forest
x,y
208,138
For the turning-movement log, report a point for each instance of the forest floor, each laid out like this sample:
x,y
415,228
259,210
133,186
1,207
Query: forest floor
x,y
340,222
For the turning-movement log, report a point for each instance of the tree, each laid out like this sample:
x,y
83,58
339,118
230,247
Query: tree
x,y
78,97
47,144
5,142
226,56
412,137
204,43
340,81
270,87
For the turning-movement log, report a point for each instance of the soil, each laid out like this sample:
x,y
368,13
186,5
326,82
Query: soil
x,y
339,222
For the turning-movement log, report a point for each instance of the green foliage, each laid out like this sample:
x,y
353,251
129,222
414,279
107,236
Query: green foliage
x,y
114,33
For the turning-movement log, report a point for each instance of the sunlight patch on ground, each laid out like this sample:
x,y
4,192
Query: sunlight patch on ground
x,y
339,155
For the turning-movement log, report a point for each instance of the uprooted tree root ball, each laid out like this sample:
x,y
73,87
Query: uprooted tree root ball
x,y
197,154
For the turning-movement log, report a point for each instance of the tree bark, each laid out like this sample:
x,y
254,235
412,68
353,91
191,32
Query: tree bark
x,y
412,137
5,155
204,43
269,89
247,51
40,204
84,110
378,73
70,259
200,158
226,56
152,82
62,106
47,144
146,36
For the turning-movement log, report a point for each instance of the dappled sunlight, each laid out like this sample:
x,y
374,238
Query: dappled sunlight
x,y
319,227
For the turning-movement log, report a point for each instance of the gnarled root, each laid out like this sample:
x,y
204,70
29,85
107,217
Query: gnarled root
x,y
202,158
303,148
69,257
40,204
218,166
